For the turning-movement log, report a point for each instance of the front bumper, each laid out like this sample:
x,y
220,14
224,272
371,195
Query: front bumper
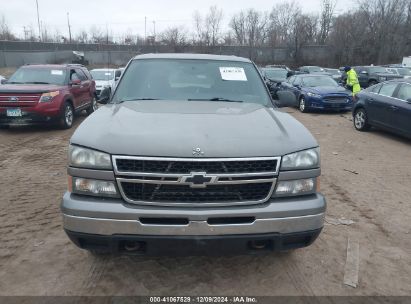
x,y
114,222
39,113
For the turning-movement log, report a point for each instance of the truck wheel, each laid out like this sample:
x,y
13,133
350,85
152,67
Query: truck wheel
x,y
66,120
93,107
361,120
302,105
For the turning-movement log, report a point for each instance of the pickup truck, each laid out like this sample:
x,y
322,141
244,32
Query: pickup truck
x,y
192,156
48,93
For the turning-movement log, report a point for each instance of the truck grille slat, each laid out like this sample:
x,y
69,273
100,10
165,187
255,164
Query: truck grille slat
x,y
195,182
211,194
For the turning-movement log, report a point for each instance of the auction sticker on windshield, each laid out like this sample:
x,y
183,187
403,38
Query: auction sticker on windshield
x,y
56,72
233,74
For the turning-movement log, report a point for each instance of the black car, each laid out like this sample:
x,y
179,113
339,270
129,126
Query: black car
x,y
386,105
273,78
313,70
371,75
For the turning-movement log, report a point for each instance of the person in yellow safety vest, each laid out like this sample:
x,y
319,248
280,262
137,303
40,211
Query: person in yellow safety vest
x,y
352,81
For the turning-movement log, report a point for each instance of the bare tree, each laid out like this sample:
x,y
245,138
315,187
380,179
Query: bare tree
x,y
213,22
327,14
82,36
176,37
5,32
237,25
208,28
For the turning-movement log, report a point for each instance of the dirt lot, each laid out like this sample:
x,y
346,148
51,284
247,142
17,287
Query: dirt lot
x,y
36,257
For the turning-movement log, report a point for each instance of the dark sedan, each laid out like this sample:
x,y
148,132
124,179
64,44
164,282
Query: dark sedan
x,y
386,105
318,92
273,78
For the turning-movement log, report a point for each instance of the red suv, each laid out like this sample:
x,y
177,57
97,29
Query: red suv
x,y
47,93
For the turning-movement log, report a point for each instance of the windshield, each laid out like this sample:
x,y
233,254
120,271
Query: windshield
x,y
194,80
275,73
39,76
315,69
102,75
319,82
378,70
333,71
404,72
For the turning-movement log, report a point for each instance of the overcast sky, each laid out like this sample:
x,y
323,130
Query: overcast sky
x,y
128,15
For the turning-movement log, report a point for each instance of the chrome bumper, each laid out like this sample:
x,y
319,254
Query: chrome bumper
x,y
194,228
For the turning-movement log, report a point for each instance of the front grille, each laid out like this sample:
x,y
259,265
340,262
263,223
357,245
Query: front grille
x,y
195,181
17,99
185,167
339,99
185,194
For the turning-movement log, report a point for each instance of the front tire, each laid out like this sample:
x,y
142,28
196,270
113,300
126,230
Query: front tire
x,y
302,105
93,106
67,118
361,120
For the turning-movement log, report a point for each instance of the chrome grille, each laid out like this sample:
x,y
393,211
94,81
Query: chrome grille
x,y
197,181
19,98
336,99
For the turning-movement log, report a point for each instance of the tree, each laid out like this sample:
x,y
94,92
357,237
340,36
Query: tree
x,y
208,28
174,37
250,27
327,14
5,32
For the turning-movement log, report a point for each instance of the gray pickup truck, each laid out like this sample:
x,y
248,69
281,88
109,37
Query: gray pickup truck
x,y
191,156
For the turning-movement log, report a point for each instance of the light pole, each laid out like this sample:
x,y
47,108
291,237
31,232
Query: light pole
x,y
38,19
69,27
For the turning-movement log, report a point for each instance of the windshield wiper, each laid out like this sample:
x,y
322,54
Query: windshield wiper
x,y
136,99
14,82
215,99
37,82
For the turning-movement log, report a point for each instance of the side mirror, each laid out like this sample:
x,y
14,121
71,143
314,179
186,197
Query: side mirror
x,y
286,99
104,96
409,100
75,82
117,78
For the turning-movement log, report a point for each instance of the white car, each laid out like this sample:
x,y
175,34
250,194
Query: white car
x,y
104,78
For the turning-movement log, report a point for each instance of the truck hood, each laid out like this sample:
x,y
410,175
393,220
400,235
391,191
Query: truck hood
x,y
29,88
327,90
175,128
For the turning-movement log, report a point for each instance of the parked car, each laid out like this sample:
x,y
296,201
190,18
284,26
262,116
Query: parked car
x,y
335,74
278,66
46,94
313,70
403,72
318,92
193,158
273,78
386,105
104,78
371,75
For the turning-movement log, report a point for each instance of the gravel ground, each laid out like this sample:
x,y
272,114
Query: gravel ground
x,y
36,257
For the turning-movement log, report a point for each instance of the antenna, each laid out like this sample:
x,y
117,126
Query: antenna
x,y
145,29
38,19
69,28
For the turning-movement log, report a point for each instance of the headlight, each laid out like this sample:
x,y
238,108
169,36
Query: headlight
x,y
295,187
94,187
307,159
314,95
87,158
46,97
